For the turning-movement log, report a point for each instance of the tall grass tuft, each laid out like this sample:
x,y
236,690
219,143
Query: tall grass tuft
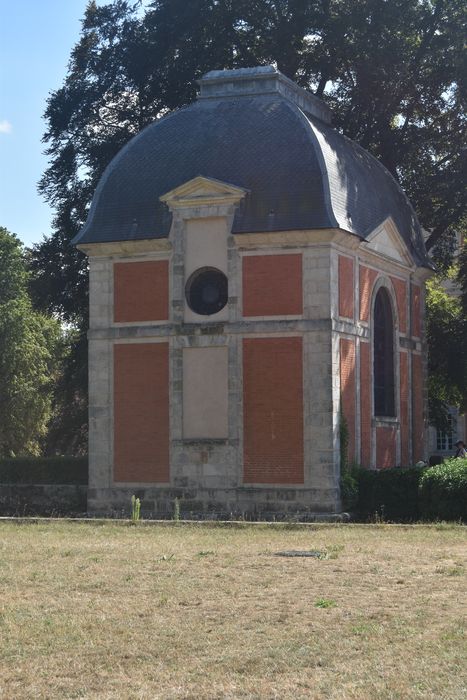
x,y
135,509
176,515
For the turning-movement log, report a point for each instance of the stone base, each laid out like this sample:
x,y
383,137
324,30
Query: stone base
x,y
250,503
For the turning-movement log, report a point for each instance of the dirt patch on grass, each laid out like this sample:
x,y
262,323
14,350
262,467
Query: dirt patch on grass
x,y
136,612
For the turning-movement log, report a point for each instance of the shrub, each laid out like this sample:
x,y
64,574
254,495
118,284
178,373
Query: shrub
x,y
349,487
44,470
348,480
443,491
390,494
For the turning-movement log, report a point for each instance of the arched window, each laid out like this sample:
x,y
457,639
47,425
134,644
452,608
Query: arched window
x,y
383,355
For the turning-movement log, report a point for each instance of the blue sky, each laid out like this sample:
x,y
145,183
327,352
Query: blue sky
x,y
36,38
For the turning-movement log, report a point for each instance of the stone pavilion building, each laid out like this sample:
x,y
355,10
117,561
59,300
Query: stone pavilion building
x,y
253,274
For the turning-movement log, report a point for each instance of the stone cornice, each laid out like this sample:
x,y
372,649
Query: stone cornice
x,y
149,245
285,239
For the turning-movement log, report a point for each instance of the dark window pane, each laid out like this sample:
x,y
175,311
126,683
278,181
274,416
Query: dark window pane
x,y
206,291
383,355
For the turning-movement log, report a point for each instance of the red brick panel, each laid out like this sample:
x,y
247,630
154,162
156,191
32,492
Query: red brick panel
x,y
417,407
365,405
346,286
141,412
141,291
404,410
272,285
347,373
367,278
385,447
416,311
400,287
273,410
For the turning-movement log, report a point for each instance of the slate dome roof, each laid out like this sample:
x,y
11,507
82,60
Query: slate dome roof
x,y
256,129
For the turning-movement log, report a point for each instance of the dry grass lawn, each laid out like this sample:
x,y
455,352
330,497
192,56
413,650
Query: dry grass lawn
x,y
113,611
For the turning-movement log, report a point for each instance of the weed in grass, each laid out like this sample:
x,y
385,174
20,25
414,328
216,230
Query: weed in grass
x,y
135,509
450,570
454,634
333,551
379,517
325,603
363,629
166,557
206,553
442,525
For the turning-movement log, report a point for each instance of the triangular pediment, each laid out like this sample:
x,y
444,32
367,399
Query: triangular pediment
x,y
203,191
387,241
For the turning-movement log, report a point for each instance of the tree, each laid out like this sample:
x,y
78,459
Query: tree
x,y
462,276
447,360
393,72
29,352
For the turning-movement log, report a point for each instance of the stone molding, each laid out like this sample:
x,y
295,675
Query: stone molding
x,y
387,242
131,248
203,192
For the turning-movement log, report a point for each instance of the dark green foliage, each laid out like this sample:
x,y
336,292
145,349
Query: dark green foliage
x,y
30,352
462,279
443,491
344,441
348,482
67,429
446,329
443,252
413,493
389,494
349,489
42,470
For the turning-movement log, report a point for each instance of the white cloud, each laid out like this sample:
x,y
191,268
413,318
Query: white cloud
x,y
5,127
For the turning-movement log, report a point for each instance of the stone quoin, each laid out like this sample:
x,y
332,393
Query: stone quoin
x,y
253,274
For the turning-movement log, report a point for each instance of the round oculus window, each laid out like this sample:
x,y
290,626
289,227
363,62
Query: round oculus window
x,y
206,291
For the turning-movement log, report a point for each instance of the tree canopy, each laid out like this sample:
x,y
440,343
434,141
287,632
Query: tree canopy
x,y
447,359
393,73
29,352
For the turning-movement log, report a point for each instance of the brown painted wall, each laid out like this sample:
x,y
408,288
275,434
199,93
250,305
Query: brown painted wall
x,y
273,410
347,373
272,285
417,407
365,404
141,291
416,311
367,278
346,286
385,447
141,412
404,410
400,289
